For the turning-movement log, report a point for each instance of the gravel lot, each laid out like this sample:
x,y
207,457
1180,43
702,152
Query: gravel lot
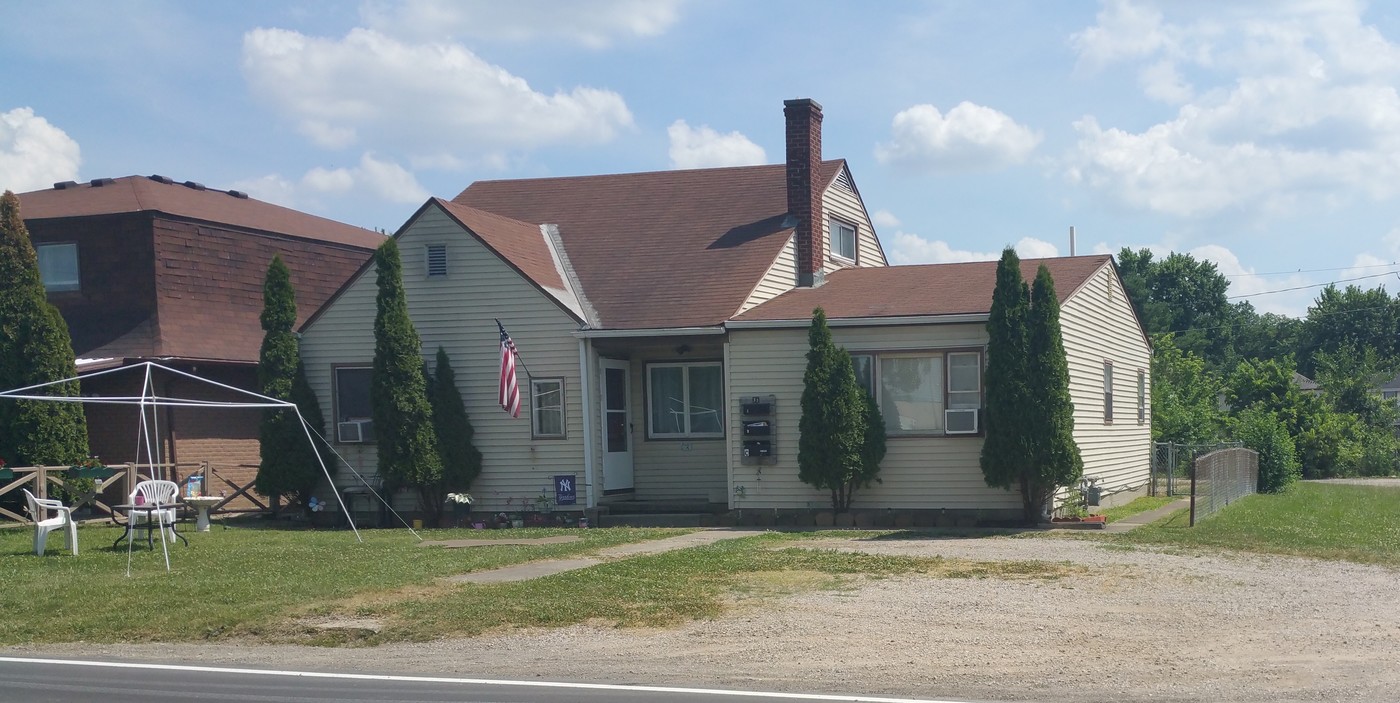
x,y
1139,625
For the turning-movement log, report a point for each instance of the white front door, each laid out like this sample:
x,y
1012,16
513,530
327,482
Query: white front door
x,y
617,426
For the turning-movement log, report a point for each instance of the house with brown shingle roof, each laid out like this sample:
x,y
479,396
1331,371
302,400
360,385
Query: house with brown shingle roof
x,y
147,268
662,317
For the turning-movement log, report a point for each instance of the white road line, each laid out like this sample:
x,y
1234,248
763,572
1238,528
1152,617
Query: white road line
x,y
485,682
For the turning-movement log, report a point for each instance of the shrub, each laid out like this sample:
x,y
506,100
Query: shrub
x,y
1261,431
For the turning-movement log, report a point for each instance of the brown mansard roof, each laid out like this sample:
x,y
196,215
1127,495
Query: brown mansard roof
x,y
110,196
913,291
659,249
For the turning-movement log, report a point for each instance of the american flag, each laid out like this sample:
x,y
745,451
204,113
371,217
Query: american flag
x,y
510,389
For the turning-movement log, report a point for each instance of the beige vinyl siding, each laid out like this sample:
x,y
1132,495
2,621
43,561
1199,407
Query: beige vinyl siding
x,y
1097,324
457,312
673,469
780,278
917,473
846,205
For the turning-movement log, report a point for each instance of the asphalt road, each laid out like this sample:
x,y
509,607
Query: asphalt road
x,y
38,680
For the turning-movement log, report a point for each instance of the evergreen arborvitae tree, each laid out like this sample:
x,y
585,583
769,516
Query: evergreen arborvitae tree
x,y
403,418
833,425
34,348
461,460
1055,459
1006,450
288,464
872,448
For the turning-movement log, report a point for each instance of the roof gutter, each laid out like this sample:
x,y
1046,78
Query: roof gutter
x,y
861,321
652,332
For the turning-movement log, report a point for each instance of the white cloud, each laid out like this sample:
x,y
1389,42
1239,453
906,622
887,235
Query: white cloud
x,y
34,154
1124,30
1279,112
372,179
703,147
595,23
884,218
417,98
907,248
970,137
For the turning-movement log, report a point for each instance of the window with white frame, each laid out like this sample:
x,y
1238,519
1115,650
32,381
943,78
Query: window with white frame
x,y
922,393
1107,392
547,407
843,240
964,392
1142,397
436,258
685,400
58,266
354,418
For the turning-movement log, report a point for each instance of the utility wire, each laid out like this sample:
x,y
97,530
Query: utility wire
x,y
1310,285
1339,268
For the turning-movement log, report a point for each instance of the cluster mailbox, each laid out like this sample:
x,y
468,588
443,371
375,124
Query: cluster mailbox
x,y
757,415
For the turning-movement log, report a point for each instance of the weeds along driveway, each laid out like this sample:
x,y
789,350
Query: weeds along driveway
x,y
1133,624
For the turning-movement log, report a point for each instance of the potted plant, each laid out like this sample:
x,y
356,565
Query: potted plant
x,y
6,473
460,505
80,483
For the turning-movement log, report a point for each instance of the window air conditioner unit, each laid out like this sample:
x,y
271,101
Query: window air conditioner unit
x,y
354,431
963,421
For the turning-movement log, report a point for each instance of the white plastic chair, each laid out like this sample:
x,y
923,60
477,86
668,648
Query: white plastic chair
x,y
156,493
43,525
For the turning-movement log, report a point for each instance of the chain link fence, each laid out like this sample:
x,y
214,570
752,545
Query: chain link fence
x,y
1221,478
1171,465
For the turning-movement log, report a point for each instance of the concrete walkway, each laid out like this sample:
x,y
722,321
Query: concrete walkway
x,y
536,569
1133,521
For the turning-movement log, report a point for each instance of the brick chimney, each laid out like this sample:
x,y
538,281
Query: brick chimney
x,y
804,198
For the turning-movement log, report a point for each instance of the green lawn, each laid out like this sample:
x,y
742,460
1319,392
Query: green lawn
x,y
236,580
1326,521
273,585
1139,505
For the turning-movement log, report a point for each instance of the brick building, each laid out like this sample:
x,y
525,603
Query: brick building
x,y
146,268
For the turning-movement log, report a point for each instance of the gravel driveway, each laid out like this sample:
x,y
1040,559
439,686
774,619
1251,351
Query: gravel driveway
x,y
1139,625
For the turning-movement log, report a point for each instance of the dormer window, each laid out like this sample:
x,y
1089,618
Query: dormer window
x,y
843,240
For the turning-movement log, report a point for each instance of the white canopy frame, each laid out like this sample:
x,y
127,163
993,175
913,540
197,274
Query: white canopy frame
x,y
150,400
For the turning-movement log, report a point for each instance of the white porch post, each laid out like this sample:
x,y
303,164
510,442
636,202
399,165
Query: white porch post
x,y
585,349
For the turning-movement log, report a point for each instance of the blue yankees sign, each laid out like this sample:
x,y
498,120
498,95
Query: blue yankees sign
x,y
565,490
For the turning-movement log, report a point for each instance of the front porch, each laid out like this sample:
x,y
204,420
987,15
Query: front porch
x,y
660,416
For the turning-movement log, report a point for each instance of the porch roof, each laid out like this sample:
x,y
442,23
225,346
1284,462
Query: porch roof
x,y
917,291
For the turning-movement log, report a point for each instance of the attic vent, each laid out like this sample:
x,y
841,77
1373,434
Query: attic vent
x,y
99,182
163,179
65,185
192,184
843,181
238,194
437,259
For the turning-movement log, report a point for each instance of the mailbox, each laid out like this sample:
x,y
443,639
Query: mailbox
x,y
758,448
759,429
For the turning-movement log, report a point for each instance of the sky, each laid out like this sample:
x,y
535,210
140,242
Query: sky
x,y
1262,136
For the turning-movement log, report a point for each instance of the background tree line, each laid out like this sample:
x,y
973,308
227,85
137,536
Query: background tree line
x,y
1222,370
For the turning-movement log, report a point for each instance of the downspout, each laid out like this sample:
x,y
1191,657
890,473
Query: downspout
x,y
590,499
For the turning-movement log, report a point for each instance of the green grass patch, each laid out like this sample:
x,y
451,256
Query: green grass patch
x,y
1140,505
236,580
657,590
1325,521
273,585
